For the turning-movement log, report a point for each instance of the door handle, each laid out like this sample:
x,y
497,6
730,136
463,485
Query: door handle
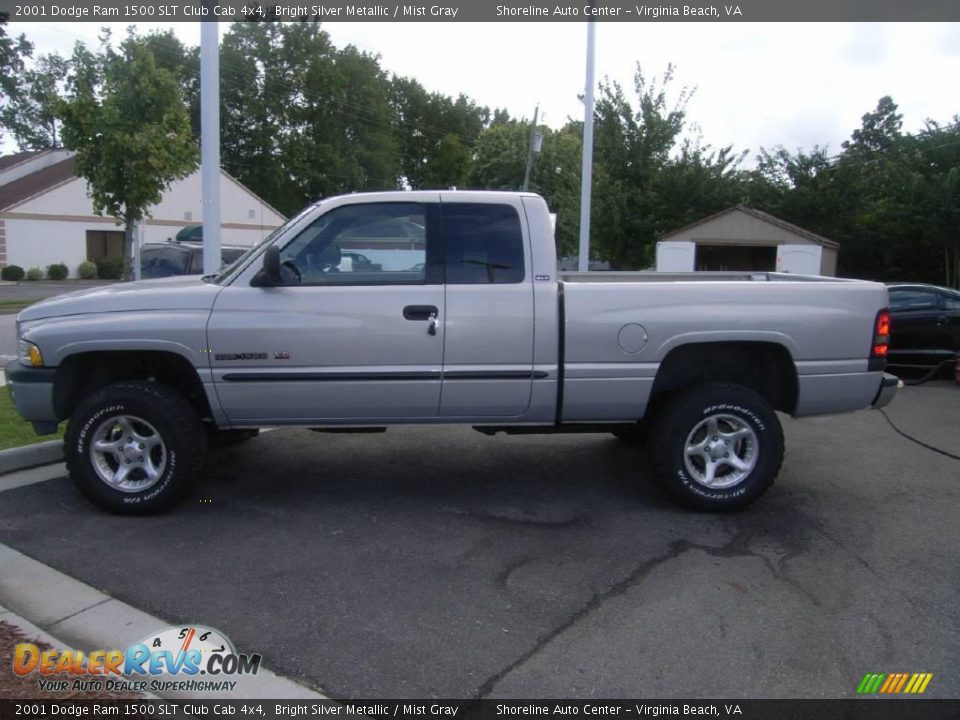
x,y
420,312
941,320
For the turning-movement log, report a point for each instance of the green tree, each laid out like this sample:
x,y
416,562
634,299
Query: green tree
x,y
302,119
500,156
31,116
648,180
435,133
13,52
124,116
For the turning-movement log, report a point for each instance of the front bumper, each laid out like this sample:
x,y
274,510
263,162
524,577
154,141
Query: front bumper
x,y
32,393
889,385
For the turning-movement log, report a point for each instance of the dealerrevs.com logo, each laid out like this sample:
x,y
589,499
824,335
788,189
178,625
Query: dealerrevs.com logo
x,y
184,659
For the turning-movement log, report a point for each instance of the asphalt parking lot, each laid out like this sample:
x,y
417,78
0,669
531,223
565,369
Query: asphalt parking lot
x,y
440,562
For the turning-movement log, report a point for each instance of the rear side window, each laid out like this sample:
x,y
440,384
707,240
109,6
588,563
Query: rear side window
x,y
159,262
909,299
483,242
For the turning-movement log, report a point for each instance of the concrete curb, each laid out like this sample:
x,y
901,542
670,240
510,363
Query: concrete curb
x,y
34,633
76,615
28,456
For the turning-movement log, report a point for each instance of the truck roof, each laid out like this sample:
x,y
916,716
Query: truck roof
x,y
415,195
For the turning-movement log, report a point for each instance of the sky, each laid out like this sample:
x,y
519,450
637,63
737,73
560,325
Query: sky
x,y
756,84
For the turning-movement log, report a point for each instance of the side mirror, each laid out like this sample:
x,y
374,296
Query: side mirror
x,y
269,274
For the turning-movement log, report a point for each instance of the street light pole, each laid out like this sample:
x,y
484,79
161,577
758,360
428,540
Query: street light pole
x,y
587,169
533,133
210,143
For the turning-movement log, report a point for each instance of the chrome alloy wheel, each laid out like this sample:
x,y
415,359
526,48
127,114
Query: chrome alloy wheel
x,y
128,453
721,451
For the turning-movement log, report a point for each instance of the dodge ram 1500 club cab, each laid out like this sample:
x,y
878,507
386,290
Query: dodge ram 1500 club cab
x,y
456,314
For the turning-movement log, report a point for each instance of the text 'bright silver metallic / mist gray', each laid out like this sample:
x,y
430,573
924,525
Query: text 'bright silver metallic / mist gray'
x,y
443,307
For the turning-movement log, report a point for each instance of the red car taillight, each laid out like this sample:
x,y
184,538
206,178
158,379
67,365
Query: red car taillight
x,y
881,335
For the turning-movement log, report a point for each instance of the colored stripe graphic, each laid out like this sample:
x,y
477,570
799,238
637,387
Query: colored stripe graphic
x,y
870,683
894,683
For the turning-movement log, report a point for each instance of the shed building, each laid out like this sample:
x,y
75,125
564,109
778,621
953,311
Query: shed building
x,y
744,239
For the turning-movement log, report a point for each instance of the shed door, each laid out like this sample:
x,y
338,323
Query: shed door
x,y
675,256
799,259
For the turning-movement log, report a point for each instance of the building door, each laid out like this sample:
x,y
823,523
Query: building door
x,y
102,244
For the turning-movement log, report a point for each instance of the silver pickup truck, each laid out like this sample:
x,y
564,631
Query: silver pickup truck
x,y
443,307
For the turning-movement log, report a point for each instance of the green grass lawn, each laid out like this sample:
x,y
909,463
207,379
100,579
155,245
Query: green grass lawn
x,y
14,430
8,307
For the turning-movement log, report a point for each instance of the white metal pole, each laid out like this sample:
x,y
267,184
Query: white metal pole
x,y
533,132
210,143
586,181
137,243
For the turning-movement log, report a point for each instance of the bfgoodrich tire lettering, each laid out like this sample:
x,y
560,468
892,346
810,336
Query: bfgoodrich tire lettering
x,y
140,426
716,447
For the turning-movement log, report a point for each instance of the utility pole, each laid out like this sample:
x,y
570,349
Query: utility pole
x,y
533,136
210,140
583,263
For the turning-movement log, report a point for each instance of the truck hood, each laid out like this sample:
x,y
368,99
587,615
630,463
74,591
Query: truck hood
x,y
178,293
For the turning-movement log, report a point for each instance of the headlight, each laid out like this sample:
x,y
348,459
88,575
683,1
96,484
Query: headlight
x,y
29,354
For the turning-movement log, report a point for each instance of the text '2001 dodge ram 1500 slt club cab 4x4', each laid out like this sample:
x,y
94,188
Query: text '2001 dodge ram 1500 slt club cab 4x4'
x,y
457,316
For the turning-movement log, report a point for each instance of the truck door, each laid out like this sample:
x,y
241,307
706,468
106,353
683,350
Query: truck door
x,y
354,334
488,345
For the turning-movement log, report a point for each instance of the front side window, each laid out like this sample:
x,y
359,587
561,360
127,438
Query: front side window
x,y
483,242
951,302
372,243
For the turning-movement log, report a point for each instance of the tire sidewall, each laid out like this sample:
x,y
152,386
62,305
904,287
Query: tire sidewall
x,y
759,417
169,488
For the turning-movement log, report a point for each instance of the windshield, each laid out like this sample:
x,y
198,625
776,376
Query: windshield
x,y
226,271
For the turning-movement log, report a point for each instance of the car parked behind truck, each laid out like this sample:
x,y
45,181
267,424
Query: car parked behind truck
x,y
459,317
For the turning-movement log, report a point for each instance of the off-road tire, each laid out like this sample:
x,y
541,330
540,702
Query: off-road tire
x,y
184,444
680,414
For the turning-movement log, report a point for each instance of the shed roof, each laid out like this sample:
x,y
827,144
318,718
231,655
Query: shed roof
x,y
764,217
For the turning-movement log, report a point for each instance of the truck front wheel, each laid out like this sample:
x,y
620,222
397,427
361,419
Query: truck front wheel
x,y
716,447
134,447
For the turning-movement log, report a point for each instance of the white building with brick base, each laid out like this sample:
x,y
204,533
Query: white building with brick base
x,y
46,214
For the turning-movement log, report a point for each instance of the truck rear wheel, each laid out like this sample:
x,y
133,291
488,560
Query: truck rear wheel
x,y
134,447
716,447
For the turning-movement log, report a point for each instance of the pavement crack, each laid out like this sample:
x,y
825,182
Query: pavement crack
x,y
738,546
677,548
83,610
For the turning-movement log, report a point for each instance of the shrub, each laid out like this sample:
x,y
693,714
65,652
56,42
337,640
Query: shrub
x,y
87,271
110,268
12,272
58,271
34,274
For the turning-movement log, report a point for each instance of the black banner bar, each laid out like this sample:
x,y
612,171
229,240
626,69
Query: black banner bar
x,y
635,11
859,709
